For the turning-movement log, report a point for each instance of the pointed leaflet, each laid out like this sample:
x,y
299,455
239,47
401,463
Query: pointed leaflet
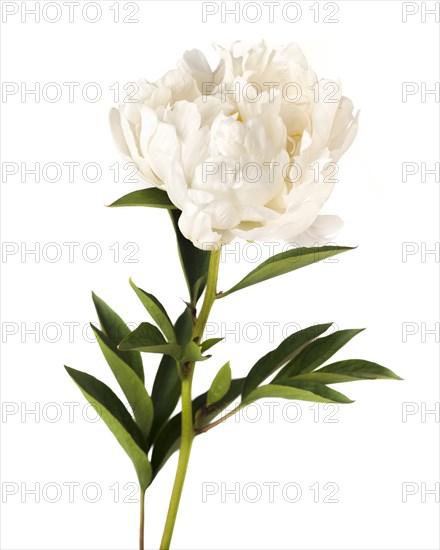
x,y
130,383
192,353
168,439
115,415
115,329
349,370
277,358
284,263
157,312
302,391
152,196
166,387
148,338
220,385
194,261
208,344
316,353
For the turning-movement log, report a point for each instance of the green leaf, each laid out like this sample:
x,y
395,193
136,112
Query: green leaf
x,y
115,329
118,419
148,338
302,391
316,353
168,439
277,358
349,370
208,344
152,196
130,383
284,262
166,387
192,353
220,385
157,312
194,261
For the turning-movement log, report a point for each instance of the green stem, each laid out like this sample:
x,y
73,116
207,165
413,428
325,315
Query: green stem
x,y
185,450
187,371
142,520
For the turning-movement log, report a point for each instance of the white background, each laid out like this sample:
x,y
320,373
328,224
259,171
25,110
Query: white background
x,y
370,452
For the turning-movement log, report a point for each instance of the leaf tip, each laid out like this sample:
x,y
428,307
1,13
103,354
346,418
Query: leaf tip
x,y
132,284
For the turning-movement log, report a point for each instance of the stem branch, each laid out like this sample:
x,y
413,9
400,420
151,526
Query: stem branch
x,y
208,427
210,295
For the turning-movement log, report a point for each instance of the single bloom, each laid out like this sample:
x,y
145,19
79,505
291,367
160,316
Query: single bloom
x,y
247,150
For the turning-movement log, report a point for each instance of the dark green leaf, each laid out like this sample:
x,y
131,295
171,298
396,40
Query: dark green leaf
x,y
316,353
157,312
168,439
284,263
115,329
302,391
152,196
208,344
348,371
277,358
148,338
199,286
166,387
194,261
130,383
220,385
118,419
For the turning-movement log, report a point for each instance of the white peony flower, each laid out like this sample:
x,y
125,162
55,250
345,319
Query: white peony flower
x,y
246,150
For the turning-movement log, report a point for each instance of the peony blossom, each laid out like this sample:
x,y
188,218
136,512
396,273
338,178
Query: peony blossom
x,y
246,150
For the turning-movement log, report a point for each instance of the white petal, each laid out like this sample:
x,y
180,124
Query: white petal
x,y
129,130
323,115
176,185
181,84
209,108
147,129
343,141
253,213
164,149
261,183
227,137
195,62
321,232
185,117
233,60
195,152
118,134
196,226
